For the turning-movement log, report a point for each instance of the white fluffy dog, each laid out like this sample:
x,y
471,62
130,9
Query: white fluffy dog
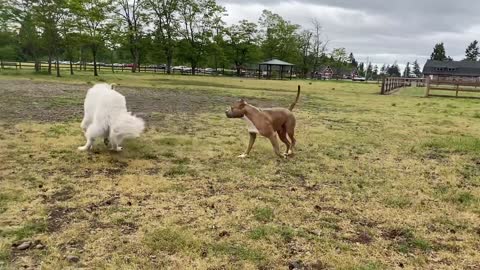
x,y
106,116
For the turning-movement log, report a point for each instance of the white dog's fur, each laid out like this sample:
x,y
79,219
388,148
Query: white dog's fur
x,y
106,116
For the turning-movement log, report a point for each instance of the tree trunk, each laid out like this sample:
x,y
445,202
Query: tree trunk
x,y
94,52
49,64
169,63
111,62
194,67
71,67
57,66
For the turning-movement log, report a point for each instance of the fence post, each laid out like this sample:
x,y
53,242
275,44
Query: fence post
x,y
1,63
382,92
427,91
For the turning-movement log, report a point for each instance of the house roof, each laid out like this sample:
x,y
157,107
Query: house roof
x,y
452,68
276,62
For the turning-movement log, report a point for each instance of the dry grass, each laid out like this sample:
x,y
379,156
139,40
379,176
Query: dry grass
x,y
378,182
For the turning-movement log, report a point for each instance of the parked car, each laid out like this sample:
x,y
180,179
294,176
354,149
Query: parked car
x,y
358,79
186,69
209,70
178,68
161,66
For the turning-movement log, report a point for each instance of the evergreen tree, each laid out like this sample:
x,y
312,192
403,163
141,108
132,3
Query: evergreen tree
x,y
369,72
383,69
439,52
406,72
472,51
352,60
361,69
416,69
393,70
375,72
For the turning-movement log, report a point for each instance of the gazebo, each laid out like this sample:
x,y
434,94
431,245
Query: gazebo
x,y
275,64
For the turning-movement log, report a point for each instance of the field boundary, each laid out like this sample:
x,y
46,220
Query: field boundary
x,y
391,85
113,68
453,85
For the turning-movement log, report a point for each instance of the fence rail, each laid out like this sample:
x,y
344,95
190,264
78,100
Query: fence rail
x,y
454,85
391,85
122,68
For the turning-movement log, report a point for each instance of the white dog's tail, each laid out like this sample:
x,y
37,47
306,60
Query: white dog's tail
x,y
128,126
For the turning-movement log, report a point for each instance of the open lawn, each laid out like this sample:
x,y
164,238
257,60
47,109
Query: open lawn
x,y
377,182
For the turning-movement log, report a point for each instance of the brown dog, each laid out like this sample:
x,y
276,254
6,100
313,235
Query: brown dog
x,y
267,122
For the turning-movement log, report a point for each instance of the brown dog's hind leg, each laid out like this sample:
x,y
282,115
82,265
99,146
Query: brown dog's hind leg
x,y
276,148
282,134
291,135
253,136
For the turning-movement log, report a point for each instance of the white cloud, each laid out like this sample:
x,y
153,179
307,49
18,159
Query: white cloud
x,y
383,31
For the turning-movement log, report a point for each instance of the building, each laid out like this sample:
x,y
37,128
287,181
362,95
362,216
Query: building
x,y
452,70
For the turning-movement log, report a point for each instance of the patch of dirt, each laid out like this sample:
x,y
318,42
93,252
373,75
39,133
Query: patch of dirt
x,y
361,238
65,194
51,102
396,234
107,202
58,217
128,227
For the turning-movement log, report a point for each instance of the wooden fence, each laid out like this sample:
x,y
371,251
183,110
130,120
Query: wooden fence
x,y
391,85
452,85
120,68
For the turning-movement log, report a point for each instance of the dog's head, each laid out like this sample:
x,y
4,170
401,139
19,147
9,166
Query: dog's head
x,y
237,110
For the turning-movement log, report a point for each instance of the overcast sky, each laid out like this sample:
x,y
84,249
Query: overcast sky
x,y
381,30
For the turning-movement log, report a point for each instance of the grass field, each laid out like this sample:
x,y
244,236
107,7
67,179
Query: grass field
x,y
377,182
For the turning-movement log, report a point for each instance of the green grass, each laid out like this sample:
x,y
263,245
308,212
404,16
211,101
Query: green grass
x,y
377,182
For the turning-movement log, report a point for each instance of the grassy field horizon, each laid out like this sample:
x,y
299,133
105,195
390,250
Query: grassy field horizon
x,y
377,182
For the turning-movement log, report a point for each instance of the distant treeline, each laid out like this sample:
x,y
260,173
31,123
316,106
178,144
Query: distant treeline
x,y
170,32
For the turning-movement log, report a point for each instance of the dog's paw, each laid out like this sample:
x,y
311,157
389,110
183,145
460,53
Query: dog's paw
x,y
82,148
243,156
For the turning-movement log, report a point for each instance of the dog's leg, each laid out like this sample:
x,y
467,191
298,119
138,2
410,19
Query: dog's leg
x,y
253,136
282,134
106,141
115,143
93,131
276,148
85,123
88,145
291,134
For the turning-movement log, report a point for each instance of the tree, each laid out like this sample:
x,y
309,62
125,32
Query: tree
x,y
472,51
166,27
352,60
406,72
319,46
241,42
280,38
439,52
361,70
49,15
305,47
383,70
416,69
199,19
375,72
393,70
339,60
369,72
133,16
93,24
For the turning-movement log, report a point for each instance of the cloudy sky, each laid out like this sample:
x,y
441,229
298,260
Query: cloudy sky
x,y
382,31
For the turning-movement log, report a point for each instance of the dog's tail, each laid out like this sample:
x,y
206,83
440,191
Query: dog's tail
x,y
129,126
296,100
